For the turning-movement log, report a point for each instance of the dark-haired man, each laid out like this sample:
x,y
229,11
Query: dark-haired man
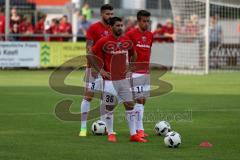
x,y
93,81
142,40
115,51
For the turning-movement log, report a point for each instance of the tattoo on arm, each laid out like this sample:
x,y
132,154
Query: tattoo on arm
x,y
89,45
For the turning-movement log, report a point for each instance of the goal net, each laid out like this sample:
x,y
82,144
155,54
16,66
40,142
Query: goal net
x,y
207,35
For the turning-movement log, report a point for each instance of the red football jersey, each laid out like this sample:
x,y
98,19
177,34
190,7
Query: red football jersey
x,y
54,30
2,24
65,28
39,29
169,30
114,53
142,42
158,36
96,31
26,28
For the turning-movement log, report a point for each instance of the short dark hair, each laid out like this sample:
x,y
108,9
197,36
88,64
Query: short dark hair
x,y
1,10
159,25
106,7
143,13
113,20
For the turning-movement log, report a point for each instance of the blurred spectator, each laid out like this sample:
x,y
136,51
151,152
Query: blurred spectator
x,y
191,30
158,34
15,18
178,25
83,25
215,38
26,28
130,24
39,27
195,25
54,31
87,11
168,30
65,28
14,30
215,31
194,19
2,25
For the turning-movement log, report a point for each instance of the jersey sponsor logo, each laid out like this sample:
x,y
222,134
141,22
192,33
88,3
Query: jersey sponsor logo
x,y
109,46
143,46
144,42
119,52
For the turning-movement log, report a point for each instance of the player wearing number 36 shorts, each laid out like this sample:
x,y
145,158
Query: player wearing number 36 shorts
x,y
115,51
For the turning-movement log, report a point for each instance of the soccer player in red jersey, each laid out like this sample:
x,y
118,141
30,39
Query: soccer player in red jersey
x,y
142,41
114,51
93,81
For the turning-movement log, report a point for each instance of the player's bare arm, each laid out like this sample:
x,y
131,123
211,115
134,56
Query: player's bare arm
x,y
133,59
96,63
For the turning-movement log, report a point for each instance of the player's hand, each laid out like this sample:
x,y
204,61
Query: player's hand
x,y
105,74
130,68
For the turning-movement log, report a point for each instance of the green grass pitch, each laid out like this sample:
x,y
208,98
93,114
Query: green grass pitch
x,y
199,108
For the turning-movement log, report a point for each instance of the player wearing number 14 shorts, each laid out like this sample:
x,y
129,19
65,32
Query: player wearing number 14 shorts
x,y
114,52
142,40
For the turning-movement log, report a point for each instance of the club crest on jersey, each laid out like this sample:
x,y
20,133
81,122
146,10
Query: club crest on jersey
x,y
119,44
144,39
105,33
